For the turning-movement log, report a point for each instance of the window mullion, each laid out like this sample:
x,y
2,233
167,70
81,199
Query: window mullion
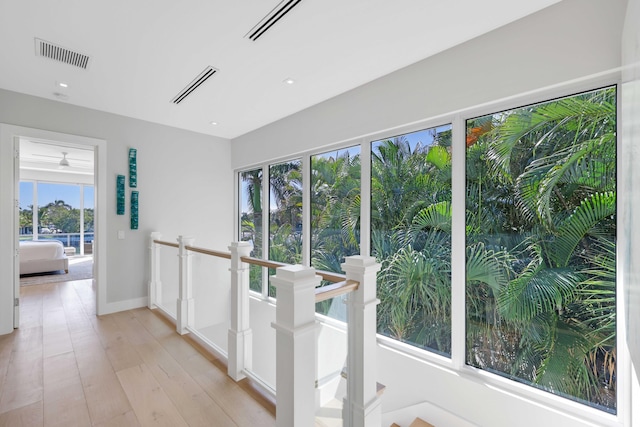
x,y
458,329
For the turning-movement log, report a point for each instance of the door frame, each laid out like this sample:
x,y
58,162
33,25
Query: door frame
x,y
10,136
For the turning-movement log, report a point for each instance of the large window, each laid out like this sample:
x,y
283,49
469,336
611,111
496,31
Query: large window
x,y
541,244
285,214
250,220
532,244
57,211
411,236
335,214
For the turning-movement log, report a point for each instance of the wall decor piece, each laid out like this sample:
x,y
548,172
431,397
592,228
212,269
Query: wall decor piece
x,y
133,168
134,210
120,195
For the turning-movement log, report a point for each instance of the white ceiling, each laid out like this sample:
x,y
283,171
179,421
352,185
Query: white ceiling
x,y
41,155
144,52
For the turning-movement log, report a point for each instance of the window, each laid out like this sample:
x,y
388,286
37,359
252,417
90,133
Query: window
x,y
411,236
250,220
335,214
285,214
541,244
539,250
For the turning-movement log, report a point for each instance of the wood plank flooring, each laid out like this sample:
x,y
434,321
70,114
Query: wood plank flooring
x,y
65,366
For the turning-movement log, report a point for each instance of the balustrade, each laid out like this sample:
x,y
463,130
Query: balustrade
x,y
295,326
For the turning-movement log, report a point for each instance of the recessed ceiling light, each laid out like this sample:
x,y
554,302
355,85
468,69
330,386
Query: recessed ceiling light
x,y
213,123
289,81
62,84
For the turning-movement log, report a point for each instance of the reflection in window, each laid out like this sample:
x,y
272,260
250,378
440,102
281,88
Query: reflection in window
x,y
335,214
411,236
541,244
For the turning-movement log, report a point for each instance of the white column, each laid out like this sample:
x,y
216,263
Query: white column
x,y
296,343
155,286
362,404
239,337
185,307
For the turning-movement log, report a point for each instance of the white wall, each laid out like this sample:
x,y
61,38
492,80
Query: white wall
x,y
566,41
184,179
563,43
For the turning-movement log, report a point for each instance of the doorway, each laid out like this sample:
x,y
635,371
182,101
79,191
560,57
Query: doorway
x,y
10,138
56,208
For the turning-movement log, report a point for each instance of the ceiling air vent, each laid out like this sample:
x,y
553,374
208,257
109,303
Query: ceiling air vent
x,y
61,54
202,77
272,17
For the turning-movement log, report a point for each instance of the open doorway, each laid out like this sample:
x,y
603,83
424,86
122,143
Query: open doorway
x,y
10,136
56,212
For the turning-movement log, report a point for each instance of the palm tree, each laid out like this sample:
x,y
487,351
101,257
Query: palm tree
x,y
541,217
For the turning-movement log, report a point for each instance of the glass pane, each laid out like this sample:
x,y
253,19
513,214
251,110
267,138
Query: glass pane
x,y
541,244
285,214
251,220
411,236
26,210
335,215
88,219
59,213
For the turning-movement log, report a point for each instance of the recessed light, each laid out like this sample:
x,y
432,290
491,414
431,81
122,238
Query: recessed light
x,y
62,84
289,81
213,123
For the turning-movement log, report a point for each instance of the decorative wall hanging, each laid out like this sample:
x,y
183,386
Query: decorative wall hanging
x,y
120,194
134,210
133,168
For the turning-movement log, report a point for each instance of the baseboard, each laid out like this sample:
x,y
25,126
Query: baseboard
x,y
114,307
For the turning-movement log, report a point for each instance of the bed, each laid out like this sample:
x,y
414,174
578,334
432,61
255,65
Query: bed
x,y
41,256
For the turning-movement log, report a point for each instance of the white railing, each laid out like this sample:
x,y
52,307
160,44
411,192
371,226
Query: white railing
x,y
297,290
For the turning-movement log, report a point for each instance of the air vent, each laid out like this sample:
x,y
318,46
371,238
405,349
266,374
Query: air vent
x,y
202,77
61,54
272,17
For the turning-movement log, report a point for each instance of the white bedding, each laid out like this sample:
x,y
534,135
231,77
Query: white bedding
x,y
41,256
32,250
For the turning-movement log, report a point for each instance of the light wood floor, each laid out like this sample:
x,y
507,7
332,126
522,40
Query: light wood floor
x,y
66,367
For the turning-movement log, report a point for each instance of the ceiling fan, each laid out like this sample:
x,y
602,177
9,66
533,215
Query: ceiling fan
x,y
64,163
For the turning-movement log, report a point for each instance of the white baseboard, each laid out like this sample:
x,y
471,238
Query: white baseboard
x,y
114,307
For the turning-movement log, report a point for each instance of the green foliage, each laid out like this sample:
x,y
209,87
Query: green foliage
x,y
541,191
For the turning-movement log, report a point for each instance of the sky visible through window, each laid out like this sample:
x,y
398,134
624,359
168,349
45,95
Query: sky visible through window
x,y
49,192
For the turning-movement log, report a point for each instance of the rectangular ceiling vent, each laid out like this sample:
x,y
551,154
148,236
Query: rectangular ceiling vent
x,y
61,54
272,17
202,77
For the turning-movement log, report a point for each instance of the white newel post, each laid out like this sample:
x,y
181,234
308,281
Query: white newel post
x,y
362,404
296,344
155,286
239,338
185,311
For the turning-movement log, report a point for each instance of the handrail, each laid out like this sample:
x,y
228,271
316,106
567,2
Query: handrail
x,y
218,254
334,290
162,242
338,287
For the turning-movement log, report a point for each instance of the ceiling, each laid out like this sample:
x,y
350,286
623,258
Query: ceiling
x,y
41,155
143,53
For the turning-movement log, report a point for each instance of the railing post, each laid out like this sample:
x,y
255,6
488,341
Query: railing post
x,y
239,338
362,404
155,286
185,310
296,344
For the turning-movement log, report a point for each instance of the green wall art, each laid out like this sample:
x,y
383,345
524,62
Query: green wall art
x,y
120,194
133,168
134,210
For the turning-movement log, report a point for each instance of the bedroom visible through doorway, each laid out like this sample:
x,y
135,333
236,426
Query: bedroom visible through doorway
x,y
55,212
